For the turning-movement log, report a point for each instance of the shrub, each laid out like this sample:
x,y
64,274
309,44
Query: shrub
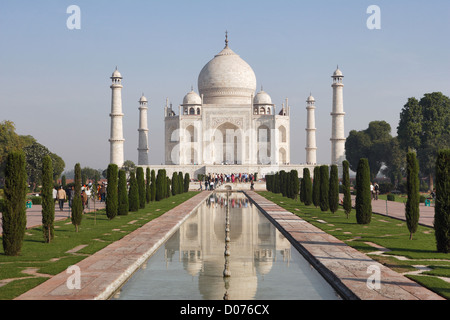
x,y
14,218
133,194
422,198
333,195
148,192
153,186
324,188
391,197
112,200
442,207
347,202
48,203
187,181
307,187
412,212
77,205
363,204
316,187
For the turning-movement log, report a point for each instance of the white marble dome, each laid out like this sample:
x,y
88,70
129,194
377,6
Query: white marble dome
x,y
262,98
227,79
116,74
192,98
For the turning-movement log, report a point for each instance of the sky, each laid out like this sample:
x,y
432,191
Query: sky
x,y
55,81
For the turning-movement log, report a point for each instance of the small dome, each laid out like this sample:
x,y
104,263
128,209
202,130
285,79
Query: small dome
x,y
262,98
192,98
310,99
338,73
143,99
116,74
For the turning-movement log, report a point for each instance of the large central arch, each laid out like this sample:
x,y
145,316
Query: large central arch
x,y
228,144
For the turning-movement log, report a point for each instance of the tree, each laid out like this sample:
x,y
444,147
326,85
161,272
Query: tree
x,y
347,203
77,205
112,200
363,200
324,188
180,182
128,166
307,187
14,217
372,143
48,203
123,205
148,192
141,186
394,162
160,181
412,212
302,189
133,194
333,196
425,127
175,186
316,187
187,181
153,186
442,206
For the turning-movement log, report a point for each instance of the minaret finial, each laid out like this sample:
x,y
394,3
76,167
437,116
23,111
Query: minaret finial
x,y
226,38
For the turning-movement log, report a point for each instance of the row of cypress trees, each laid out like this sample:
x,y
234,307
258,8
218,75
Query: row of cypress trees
x,y
286,183
142,190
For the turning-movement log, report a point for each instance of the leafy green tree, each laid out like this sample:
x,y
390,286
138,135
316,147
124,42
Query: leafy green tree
x,y
395,162
153,186
333,195
442,206
133,193
363,200
77,205
372,144
324,188
412,212
316,187
14,217
48,203
425,127
123,205
347,203
112,199
307,186
129,166
141,186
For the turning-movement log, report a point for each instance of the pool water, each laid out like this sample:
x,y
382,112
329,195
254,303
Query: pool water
x,y
227,249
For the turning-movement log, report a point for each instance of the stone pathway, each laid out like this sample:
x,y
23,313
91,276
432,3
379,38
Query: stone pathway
x,y
352,273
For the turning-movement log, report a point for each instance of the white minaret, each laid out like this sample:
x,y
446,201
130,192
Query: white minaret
x,y
116,140
337,129
311,148
143,132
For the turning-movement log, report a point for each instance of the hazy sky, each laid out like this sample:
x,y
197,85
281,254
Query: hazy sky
x,y
54,82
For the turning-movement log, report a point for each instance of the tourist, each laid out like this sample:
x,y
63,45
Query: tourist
x,y
371,191
71,194
88,196
55,193
83,198
61,197
376,188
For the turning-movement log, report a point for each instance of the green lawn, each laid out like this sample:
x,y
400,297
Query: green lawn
x,y
96,232
384,231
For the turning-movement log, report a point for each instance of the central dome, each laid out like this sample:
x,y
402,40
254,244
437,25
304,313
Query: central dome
x,y
227,79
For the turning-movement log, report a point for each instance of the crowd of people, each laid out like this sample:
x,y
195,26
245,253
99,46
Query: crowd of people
x,y
62,195
213,181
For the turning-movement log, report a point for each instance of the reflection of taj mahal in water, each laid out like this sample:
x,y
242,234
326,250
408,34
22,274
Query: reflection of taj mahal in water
x,y
201,243
226,127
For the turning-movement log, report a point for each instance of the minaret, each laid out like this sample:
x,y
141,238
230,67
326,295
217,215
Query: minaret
x,y
311,148
337,129
117,140
143,132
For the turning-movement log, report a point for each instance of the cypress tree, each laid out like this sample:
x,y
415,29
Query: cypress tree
x,y
308,187
159,195
148,192
187,181
14,218
442,206
175,188
295,184
363,203
346,183
277,183
153,186
324,188
123,205
333,197
168,184
302,189
141,186
48,203
180,182
133,194
412,212
316,187
112,201
77,205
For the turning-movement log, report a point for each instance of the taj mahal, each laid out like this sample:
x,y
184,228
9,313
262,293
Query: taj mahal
x,y
228,127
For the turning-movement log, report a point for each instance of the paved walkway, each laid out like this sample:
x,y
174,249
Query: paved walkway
x,y
105,271
346,268
34,214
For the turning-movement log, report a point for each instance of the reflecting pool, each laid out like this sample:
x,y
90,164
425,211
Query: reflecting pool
x,y
227,250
